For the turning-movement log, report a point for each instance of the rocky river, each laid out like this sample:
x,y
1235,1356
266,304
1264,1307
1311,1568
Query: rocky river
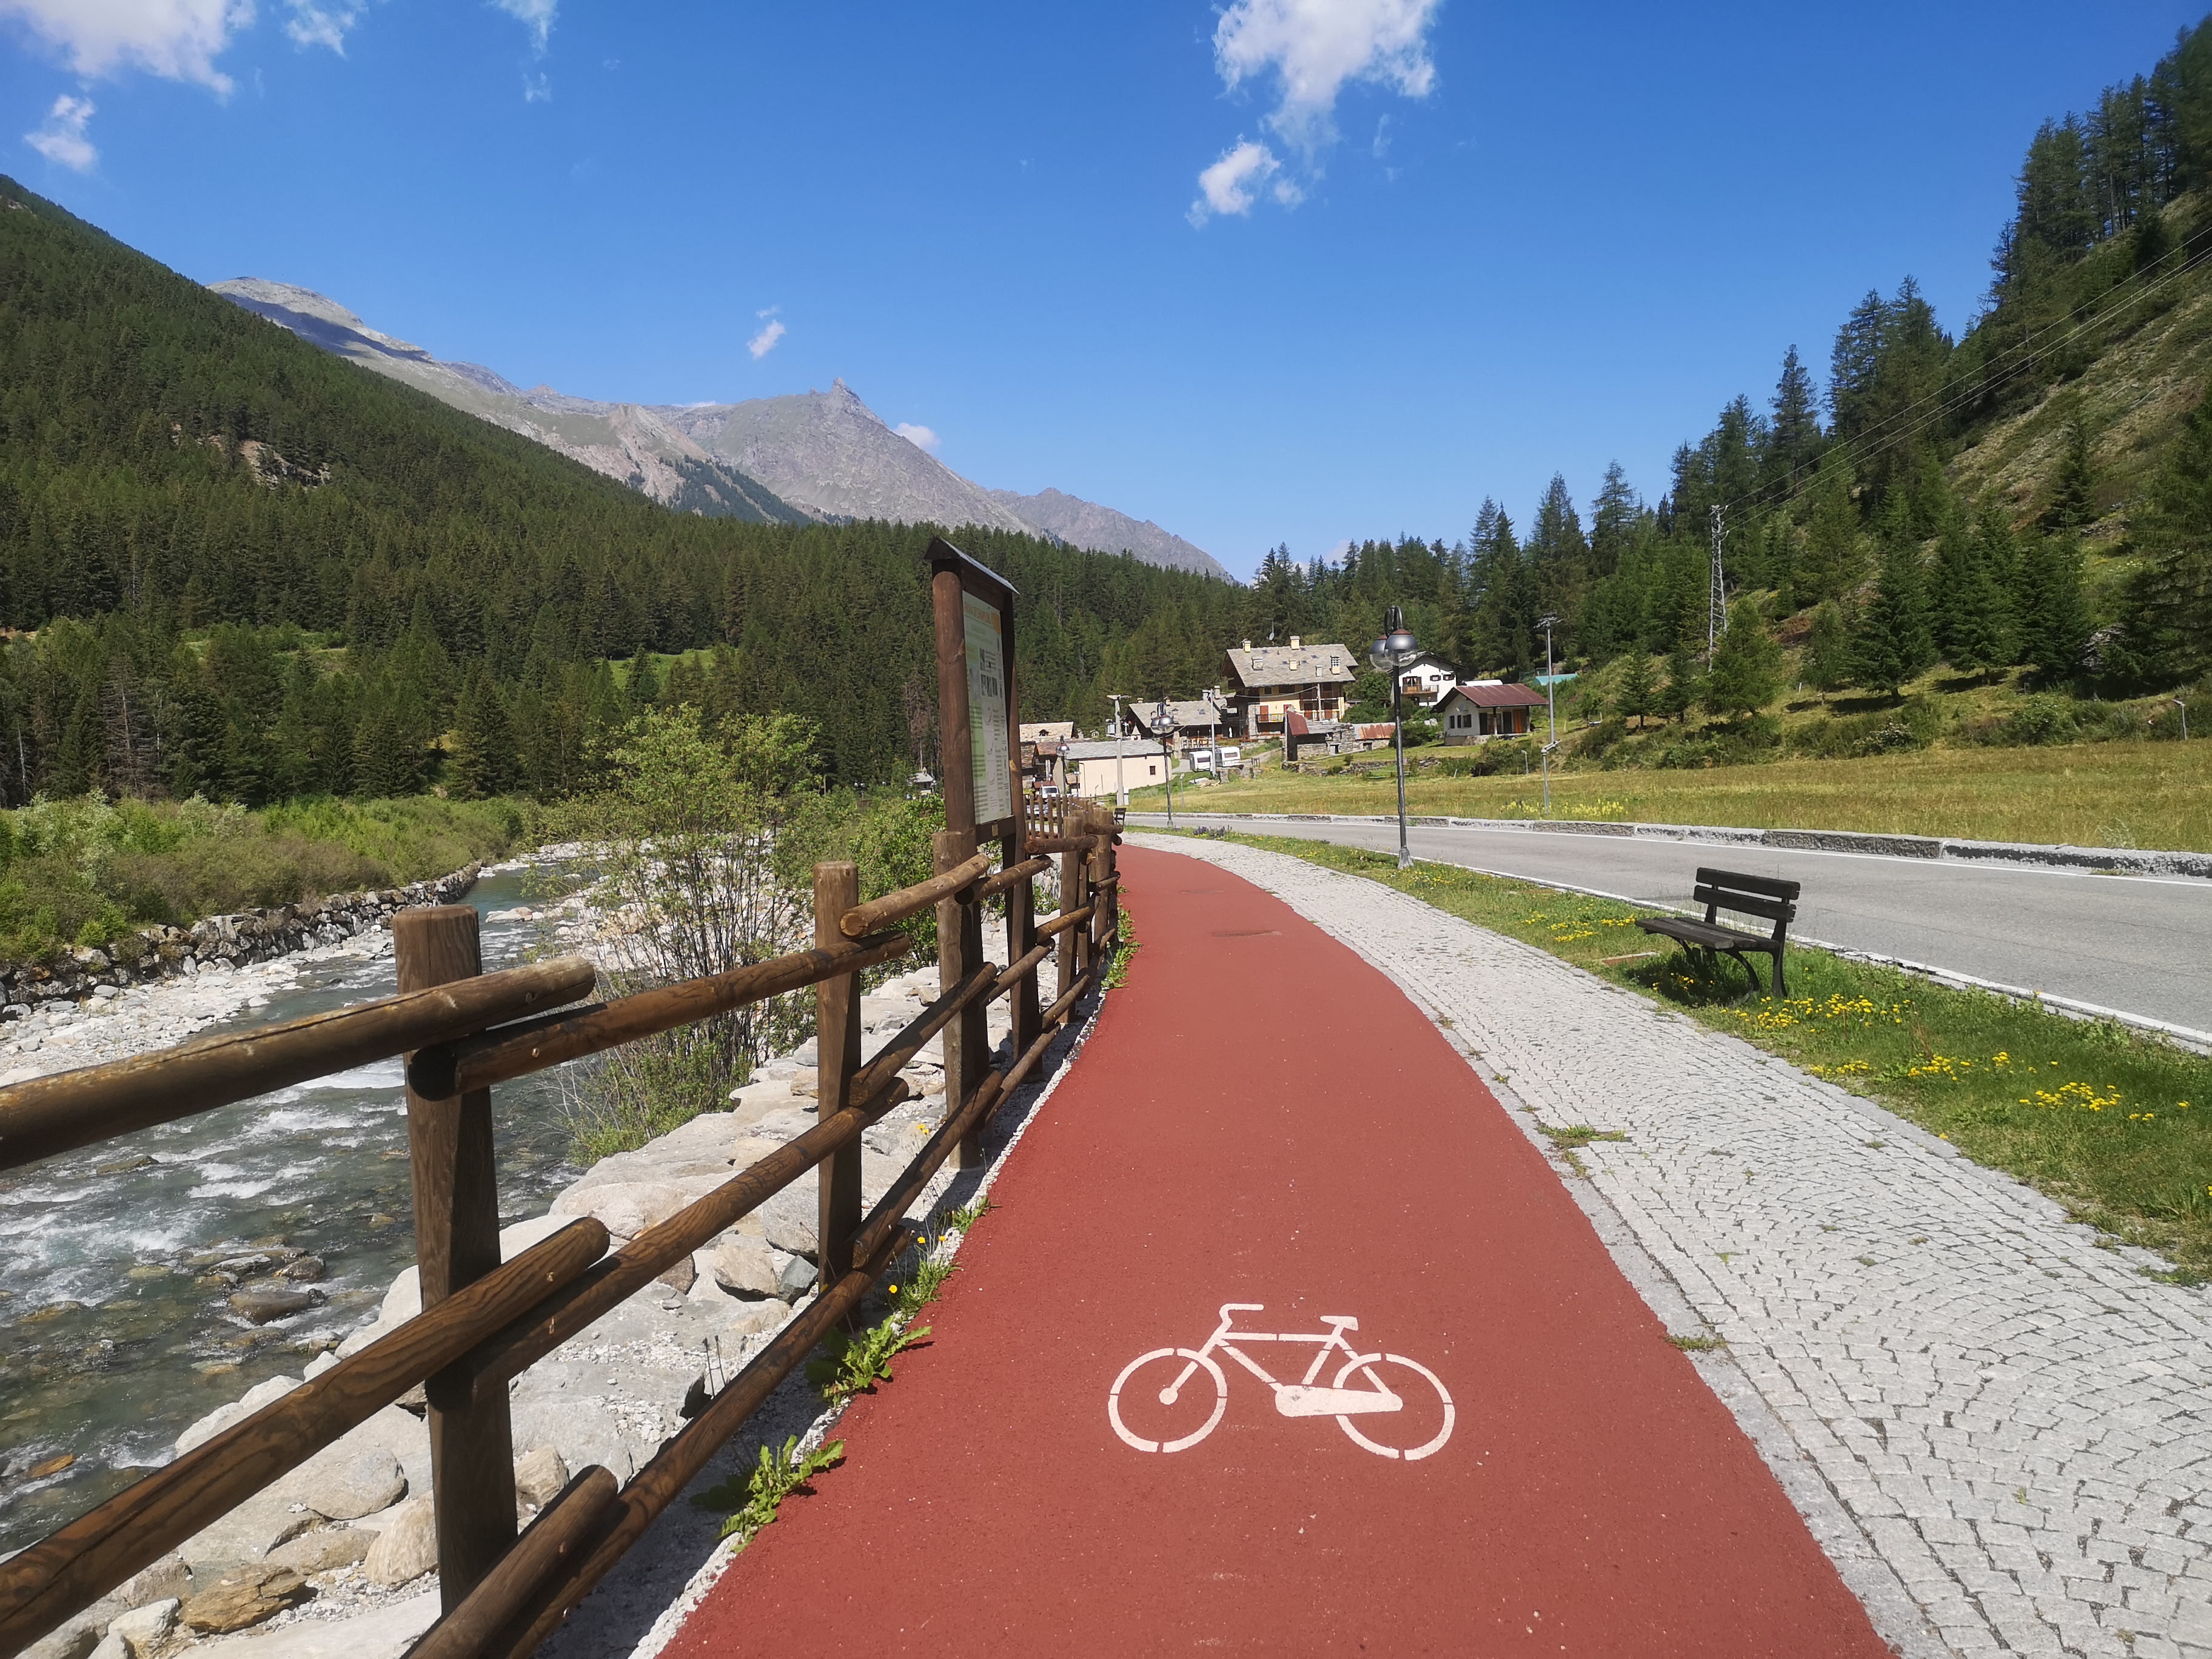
x,y
119,1263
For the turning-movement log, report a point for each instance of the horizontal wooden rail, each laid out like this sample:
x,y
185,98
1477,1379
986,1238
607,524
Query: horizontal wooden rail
x,y
679,1462
893,1205
1067,998
894,907
73,1567
1059,843
498,1056
555,1538
60,1113
1066,920
487,1369
892,1057
1018,971
1012,876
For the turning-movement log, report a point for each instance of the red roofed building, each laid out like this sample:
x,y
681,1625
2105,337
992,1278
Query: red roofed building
x,y
1477,712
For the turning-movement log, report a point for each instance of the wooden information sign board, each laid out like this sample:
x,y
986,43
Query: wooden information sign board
x,y
977,714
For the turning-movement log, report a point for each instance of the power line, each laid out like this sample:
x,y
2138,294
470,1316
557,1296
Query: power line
x,y
1866,444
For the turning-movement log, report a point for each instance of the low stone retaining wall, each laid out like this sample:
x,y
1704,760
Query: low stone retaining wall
x,y
2129,859
155,953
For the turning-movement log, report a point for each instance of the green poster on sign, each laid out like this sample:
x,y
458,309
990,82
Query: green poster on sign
x,y
992,774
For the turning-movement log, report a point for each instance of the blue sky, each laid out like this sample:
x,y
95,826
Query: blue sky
x,y
1444,248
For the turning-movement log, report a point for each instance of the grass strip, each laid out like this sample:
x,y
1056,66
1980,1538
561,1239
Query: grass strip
x,y
2114,1123
2084,794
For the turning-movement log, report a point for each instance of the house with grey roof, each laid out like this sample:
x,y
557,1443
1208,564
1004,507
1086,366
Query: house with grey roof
x,y
1267,681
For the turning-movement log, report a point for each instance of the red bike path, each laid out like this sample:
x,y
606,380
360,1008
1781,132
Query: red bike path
x,y
1261,1117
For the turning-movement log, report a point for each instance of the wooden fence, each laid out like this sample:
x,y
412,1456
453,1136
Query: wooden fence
x,y
484,1321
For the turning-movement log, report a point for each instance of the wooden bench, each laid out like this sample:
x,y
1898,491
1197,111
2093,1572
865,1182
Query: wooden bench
x,y
1750,895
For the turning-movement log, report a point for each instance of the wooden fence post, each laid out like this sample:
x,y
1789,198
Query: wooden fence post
x,y
456,1243
1074,894
838,1058
959,953
1021,940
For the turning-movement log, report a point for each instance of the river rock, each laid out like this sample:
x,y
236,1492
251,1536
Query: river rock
x,y
539,1474
111,1647
264,1302
627,1208
757,1318
796,1280
246,1595
384,1632
144,1629
366,1481
742,1267
787,1124
167,1579
224,1416
324,1550
304,1271
680,1277
244,1535
407,1548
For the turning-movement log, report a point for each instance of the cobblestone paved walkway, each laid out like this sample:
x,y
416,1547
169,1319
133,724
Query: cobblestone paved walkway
x,y
1996,1429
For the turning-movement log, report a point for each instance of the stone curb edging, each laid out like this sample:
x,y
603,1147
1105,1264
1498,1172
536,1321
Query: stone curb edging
x,y
2127,860
157,953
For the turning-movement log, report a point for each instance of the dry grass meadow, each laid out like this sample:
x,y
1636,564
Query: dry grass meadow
x,y
2105,794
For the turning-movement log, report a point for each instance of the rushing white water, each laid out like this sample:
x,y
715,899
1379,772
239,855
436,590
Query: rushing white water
x,y
117,1331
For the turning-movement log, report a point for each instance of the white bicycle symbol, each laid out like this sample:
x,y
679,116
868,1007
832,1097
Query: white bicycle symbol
x,y
1173,1368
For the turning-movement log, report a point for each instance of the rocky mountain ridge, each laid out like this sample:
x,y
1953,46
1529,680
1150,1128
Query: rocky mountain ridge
x,y
822,455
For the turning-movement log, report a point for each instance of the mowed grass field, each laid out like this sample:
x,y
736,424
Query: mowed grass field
x,y
2105,794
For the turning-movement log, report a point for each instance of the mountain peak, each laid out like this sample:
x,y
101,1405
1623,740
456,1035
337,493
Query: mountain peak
x,y
826,454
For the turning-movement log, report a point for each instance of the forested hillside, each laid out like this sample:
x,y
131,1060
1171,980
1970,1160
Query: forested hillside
x,y
253,571
2034,496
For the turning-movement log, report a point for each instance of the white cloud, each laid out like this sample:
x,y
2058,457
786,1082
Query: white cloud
x,y
62,138
1315,46
177,40
1232,184
535,88
536,15
920,436
764,342
323,23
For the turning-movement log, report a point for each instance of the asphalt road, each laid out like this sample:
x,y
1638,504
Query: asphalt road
x,y
2142,945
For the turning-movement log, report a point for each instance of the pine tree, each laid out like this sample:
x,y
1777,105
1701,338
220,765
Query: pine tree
x,y
1828,650
484,760
1892,641
1793,435
1634,694
2054,627
2073,488
1747,670
1679,694
1974,619
1832,561
2169,632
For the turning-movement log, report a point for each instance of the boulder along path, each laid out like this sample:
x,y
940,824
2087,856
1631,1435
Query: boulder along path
x,y
1408,1402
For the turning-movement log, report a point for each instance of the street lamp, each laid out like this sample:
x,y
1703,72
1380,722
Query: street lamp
x,y
1121,784
1550,709
1395,651
1167,755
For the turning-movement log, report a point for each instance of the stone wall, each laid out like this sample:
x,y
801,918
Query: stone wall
x,y
155,953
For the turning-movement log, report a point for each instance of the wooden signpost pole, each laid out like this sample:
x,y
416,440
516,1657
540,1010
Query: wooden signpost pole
x,y
977,724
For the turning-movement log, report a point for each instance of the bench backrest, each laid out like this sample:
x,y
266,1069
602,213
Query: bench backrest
x,y
1750,895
